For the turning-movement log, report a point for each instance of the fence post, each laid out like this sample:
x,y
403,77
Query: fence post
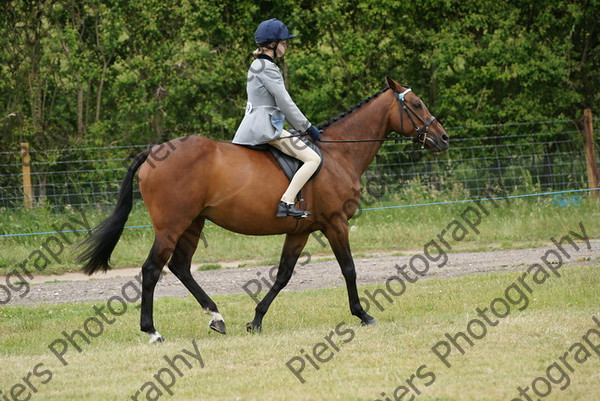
x,y
26,167
590,156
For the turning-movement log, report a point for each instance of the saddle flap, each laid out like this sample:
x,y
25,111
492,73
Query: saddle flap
x,y
289,164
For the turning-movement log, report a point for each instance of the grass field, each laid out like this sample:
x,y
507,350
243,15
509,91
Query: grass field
x,y
313,331
361,362
522,223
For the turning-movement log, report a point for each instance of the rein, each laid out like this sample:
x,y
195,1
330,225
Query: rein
x,y
420,138
387,138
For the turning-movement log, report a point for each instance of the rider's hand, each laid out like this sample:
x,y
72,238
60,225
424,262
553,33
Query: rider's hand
x,y
314,133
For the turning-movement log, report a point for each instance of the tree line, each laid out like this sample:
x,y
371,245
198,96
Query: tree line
x,y
119,72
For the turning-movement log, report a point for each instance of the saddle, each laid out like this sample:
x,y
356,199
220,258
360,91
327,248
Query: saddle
x,y
289,165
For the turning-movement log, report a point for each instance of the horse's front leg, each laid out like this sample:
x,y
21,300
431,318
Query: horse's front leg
x,y
292,247
337,235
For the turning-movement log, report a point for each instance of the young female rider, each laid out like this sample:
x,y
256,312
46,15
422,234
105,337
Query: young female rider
x,y
269,104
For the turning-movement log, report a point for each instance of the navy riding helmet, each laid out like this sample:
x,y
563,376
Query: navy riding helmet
x,y
272,30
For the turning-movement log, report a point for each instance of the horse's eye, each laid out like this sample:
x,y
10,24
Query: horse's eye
x,y
417,105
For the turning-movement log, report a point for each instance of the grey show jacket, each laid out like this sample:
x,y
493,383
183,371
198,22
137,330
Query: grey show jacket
x,y
269,103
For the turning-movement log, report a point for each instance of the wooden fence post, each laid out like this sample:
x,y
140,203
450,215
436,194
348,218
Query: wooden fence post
x,y
590,154
26,167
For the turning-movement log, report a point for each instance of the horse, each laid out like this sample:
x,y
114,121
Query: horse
x,y
237,188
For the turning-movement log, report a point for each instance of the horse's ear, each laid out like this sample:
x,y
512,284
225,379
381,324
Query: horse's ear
x,y
391,83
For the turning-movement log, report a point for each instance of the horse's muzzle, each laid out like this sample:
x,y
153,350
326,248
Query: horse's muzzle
x,y
438,143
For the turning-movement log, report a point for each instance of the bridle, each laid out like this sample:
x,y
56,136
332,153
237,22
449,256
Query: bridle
x,y
421,136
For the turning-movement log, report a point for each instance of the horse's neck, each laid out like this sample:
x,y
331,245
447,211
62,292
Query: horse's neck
x,y
371,121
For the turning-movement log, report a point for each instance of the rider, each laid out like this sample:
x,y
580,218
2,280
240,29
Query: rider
x,y
269,105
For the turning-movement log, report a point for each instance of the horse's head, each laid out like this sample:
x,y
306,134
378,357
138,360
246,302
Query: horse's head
x,y
412,119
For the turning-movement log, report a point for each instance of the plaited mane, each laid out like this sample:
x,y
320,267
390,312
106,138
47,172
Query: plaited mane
x,y
351,110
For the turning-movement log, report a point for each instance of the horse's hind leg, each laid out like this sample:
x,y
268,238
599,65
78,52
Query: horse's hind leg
x,y
180,265
292,247
158,256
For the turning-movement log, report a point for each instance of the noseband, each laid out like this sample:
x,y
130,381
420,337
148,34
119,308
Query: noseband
x,y
421,136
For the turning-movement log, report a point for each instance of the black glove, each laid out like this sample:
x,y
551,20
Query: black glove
x,y
314,133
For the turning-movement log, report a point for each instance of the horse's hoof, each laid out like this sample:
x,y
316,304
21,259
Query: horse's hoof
x,y
156,338
218,326
251,328
369,322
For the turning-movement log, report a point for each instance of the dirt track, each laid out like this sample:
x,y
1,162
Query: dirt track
x,y
75,287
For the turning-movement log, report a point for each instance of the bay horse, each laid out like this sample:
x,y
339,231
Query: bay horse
x,y
238,189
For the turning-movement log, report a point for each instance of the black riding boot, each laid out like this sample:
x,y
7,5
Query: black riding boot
x,y
286,209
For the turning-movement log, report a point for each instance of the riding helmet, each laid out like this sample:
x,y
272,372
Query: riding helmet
x,y
272,30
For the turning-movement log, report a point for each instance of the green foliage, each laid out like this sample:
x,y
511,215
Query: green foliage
x,y
120,73
143,71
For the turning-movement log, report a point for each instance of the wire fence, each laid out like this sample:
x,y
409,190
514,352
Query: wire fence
x,y
67,177
513,158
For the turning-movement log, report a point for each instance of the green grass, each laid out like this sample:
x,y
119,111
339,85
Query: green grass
x,y
240,366
523,223
210,267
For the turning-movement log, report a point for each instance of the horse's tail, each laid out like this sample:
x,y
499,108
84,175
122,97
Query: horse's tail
x,y
100,245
